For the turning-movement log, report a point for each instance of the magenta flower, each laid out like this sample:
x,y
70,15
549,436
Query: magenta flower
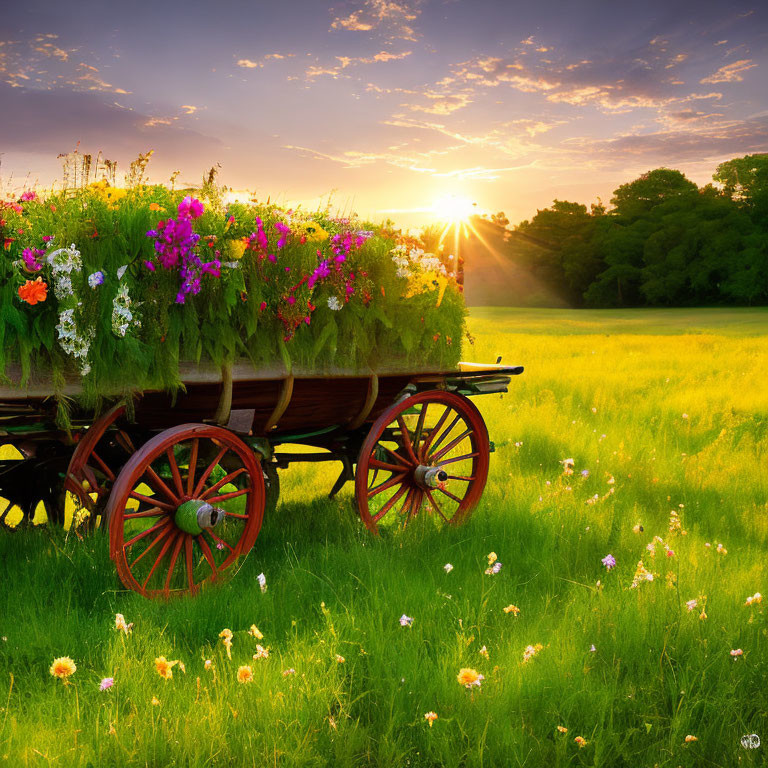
x,y
191,207
30,257
106,683
609,561
27,197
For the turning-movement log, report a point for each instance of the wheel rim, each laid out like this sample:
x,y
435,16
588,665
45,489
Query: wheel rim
x,y
400,469
94,466
154,505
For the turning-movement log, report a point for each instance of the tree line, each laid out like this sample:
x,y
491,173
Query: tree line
x,y
663,241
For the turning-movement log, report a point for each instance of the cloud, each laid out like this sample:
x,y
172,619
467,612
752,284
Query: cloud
x,y
730,73
315,70
250,64
189,109
390,18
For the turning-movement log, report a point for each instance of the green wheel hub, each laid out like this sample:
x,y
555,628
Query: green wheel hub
x,y
195,515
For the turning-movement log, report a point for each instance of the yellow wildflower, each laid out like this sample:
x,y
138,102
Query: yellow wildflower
x,y
254,631
155,701
580,741
63,667
484,652
562,729
244,674
164,667
226,638
314,232
120,623
339,658
469,677
530,651
261,652
689,739
430,717
512,609
492,558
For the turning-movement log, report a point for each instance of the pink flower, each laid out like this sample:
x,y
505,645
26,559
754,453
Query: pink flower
x,y
262,306
106,683
192,207
28,196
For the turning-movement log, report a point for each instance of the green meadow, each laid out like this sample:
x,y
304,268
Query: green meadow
x,y
661,411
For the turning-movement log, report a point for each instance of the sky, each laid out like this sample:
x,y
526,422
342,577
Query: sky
x,y
387,106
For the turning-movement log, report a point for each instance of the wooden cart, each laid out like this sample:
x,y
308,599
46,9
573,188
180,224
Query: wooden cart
x,y
184,483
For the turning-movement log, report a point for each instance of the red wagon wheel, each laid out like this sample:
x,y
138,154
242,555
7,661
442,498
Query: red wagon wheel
x,y
429,452
94,466
186,505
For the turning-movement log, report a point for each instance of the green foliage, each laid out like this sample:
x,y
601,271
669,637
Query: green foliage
x,y
260,308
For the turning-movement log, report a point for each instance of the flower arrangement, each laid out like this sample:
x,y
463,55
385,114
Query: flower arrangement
x,y
152,277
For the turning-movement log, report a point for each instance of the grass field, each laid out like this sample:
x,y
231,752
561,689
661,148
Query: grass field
x,y
666,410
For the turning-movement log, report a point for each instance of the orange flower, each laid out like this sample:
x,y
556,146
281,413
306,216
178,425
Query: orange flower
x,y
33,291
156,207
469,677
582,742
63,667
430,717
244,674
164,667
562,729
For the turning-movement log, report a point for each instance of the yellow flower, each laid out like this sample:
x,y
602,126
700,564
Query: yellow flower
x,y
530,651
562,729
254,631
164,667
156,207
430,717
314,232
484,652
261,653
155,701
235,249
689,739
208,664
469,677
182,667
492,558
580,741
512,609
244,674
63,667
339,658
226,638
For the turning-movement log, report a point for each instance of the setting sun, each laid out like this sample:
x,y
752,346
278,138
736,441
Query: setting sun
x,y
454,208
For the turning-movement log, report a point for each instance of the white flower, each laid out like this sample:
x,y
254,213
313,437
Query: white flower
x,y
406,621
447,567
262,579
121,271
334,303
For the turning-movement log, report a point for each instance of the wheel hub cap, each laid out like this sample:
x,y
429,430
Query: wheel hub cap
x,y
195,516
429,477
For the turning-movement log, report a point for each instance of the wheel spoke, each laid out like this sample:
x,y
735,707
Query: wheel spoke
x,y
376,464
385,485
151,500
192,466
415,506
458,458
445,433
406,435
188,551
163,550
203,544
104,468
160,536
391,503
175,472
154,512
146,532
395,455
224,480
232,495
436,506
449,494
174,557
419,429
461,477
124,441
236,514
435,429
437,456
158,484
407,503
219,540
209,469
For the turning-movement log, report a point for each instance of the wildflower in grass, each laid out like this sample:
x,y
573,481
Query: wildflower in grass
x,y
562,729
406,621
244,674
567,466
28,196
191,207
106,683
530,651
332,722
183,667
494,569
492,558
334,303
207,664
609,561
484,652
164,667
685,415
513,609
470,677
120,624
702,615
689,739
33,291
226,639
637,528
340,659
580,741
63,667
691,604
30,257
736,652
262,579
641,575
289,671
447,567
721,550
755,599
592,648
254,632
156,207
585,473
155,701
96,279
261,653
430,717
